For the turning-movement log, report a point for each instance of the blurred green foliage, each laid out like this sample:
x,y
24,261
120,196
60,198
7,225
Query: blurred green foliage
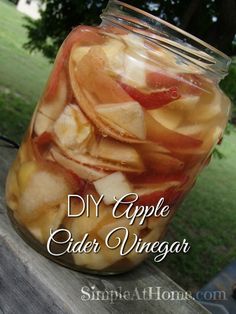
x,y
212,20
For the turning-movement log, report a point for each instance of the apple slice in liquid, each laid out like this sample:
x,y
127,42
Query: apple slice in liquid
x,y
85,172
170,139
88,102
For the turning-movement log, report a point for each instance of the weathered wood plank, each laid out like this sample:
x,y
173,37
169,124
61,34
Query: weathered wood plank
x,y
220,289
29,283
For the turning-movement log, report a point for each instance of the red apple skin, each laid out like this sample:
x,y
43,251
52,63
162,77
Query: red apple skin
x,y
153,198
80,35
41,144
153,178
152,100
186,83
171,194
93,76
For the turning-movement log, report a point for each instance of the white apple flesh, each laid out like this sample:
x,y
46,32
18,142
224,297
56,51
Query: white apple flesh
x,y
128,115
113,186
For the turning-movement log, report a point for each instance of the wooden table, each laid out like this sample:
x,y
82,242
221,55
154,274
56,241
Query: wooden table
x,y
30,283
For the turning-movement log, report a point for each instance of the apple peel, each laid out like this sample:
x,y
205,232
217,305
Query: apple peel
x,y
87,102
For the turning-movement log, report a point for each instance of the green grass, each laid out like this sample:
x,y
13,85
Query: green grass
x,y
15,115
24,73
207,218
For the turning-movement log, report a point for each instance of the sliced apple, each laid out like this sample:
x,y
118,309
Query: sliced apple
x,y
81,170
12,189
168,138
151,196
42,123
41,145
159,159
117,223
151,147
82,35
83,224
43,188
135,61
162,163
114,50
172,114
109,149
193,130
134,70
92,74
72,128
208,107
157,229
152,236
88,102
152,188
105,126
184,104
128,115
25,152
91,260
26,171
78,52
53,107
50,219
162,58
109,128
113,186
106,165
146,189
111,223
190,157
170,119
133,41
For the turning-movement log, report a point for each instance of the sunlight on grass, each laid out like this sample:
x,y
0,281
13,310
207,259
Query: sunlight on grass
x,y
20,71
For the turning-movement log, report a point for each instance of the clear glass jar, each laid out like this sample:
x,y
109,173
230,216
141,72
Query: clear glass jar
x,y
131,106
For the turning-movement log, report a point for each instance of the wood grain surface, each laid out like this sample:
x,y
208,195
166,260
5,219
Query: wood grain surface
x,y
32,284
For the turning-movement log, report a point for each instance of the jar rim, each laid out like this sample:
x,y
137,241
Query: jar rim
x,y
222,61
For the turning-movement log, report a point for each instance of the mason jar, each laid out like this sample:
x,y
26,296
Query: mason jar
x,y
129,117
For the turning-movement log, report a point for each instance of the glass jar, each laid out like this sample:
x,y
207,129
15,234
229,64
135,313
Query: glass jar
x,y
132,110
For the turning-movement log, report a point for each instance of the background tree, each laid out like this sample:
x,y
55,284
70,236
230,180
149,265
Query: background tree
x,y
212,20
